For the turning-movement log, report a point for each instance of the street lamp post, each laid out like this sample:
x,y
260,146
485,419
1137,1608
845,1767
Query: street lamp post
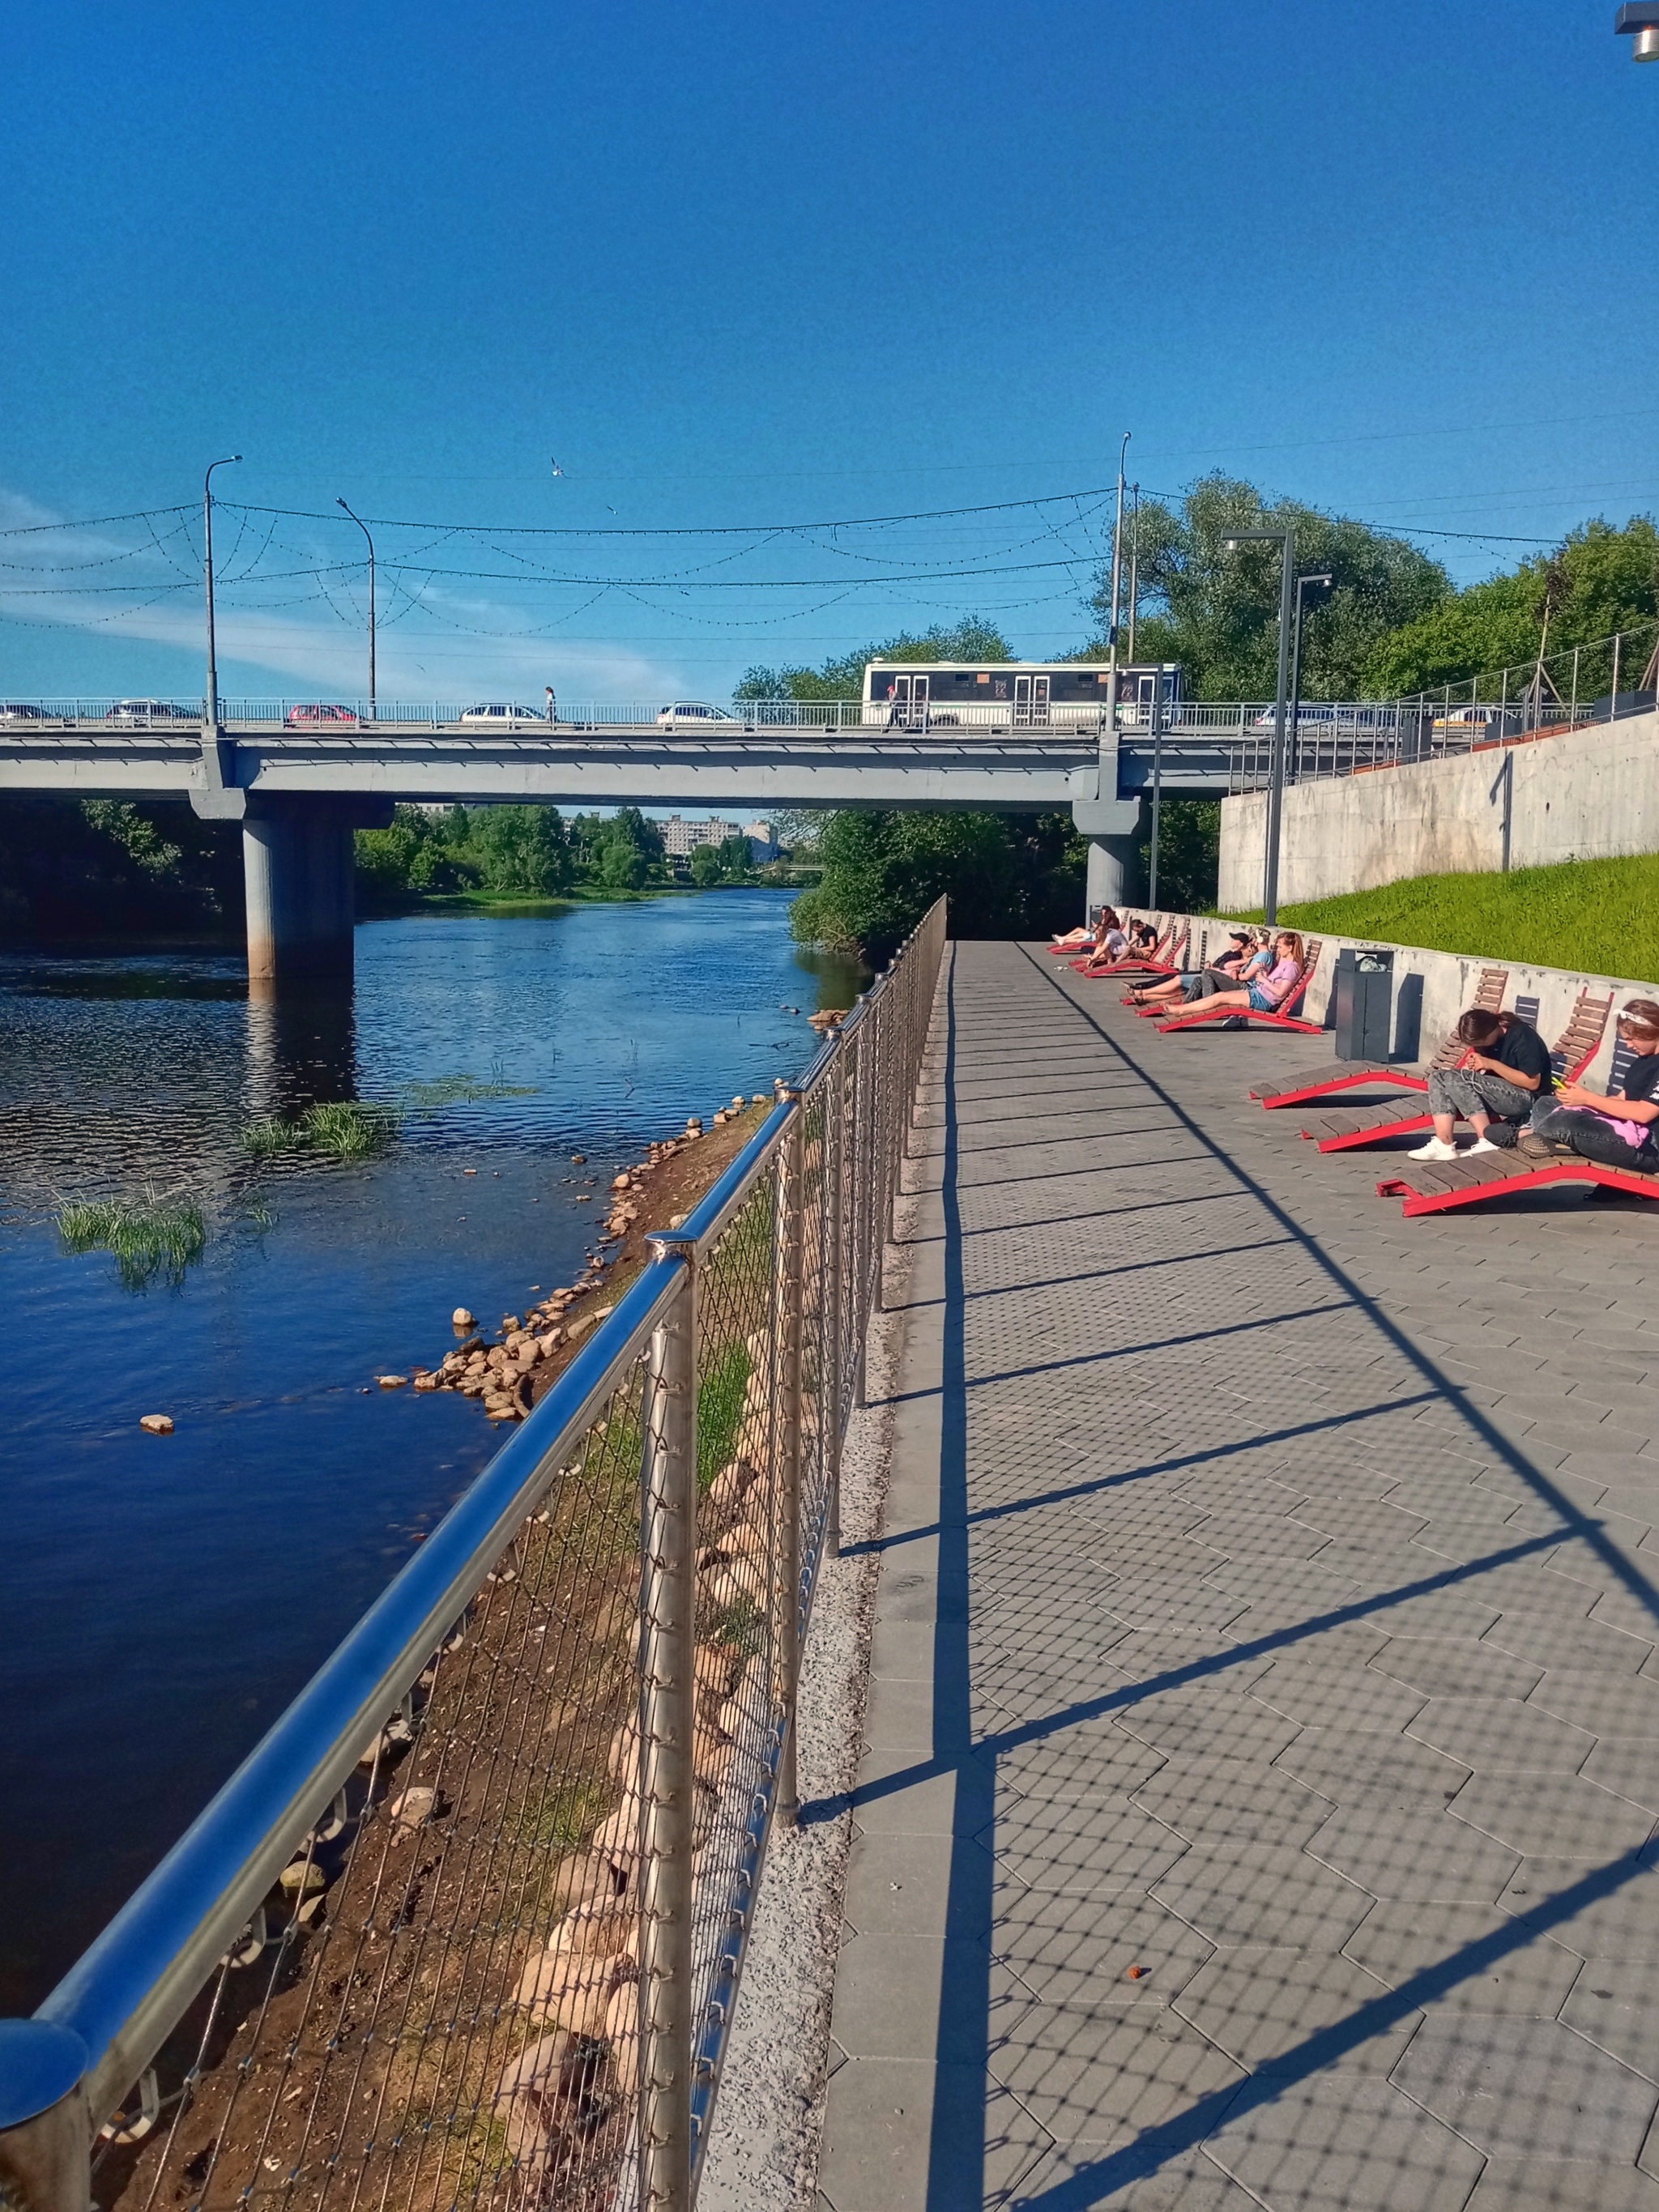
x,y
1157,712
1134,567
363,526
1323,583
212,717
1638,20
1286,540
1117,570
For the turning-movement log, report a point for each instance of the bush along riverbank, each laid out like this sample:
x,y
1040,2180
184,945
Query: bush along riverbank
x,y
508,1370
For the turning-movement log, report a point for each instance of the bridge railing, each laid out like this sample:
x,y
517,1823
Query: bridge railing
x,y
467,1927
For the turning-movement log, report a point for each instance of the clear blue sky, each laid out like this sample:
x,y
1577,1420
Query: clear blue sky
x,y
745,263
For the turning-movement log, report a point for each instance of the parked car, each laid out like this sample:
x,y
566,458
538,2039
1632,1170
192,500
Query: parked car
x,y
693,714
150,713
13,711
311,712
496,715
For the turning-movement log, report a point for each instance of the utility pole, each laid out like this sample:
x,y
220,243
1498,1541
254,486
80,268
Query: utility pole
x,y
1158,786
1134,567
363,526
1286,540
1117,568
212,718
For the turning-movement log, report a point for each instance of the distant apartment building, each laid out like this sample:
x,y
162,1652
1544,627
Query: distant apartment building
x,y
680,839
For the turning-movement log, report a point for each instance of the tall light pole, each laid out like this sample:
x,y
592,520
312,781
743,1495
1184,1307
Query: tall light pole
x,y
1156,712
1117,570
207,556
1302,585
363,526
1134,567
1287,540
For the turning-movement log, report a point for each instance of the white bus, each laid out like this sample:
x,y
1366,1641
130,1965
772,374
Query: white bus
x,y
1002,696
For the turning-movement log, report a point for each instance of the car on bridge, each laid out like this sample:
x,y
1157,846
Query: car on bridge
x,y
694,715
150,713
14,711
496,715
312,714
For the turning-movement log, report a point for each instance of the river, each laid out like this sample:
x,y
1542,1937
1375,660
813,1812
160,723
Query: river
x,y
161,1598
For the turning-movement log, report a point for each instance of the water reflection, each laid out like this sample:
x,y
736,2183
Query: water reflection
x,y
301,1048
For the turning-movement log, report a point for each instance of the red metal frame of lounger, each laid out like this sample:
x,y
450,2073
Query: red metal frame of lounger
x,y
1282,1018
1299,1089
1438,1184
1372,1132
1134,963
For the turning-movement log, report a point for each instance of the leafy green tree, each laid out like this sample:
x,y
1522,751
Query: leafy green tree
x,y
841,676
1188,852
520,848
1216,612
1601,581
1007,875
706,870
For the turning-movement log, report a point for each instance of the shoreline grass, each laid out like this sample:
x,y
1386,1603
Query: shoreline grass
x,y
1589,917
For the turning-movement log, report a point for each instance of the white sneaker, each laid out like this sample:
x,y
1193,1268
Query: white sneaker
x,y
1482,1145
1434,1150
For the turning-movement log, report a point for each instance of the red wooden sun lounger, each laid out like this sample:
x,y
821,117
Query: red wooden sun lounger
x,y
1134,964
1431,1185
1321,1083
1170,963
1210,1011
1577,1045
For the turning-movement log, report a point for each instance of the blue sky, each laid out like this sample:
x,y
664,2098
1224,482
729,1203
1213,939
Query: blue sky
x,y
747,264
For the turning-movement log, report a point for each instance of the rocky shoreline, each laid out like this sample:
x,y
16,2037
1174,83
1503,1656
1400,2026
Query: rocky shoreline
x,y
507,1371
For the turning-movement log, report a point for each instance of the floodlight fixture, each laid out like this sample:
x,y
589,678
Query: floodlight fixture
x,y
1638,21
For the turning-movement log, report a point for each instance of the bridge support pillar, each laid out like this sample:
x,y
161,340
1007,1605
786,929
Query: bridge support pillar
x,y
1110,826
297,868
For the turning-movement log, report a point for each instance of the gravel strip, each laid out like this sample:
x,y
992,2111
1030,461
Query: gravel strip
x,y
763,2151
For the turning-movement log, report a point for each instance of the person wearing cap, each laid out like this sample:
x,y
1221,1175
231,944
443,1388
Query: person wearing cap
x,y
1225,973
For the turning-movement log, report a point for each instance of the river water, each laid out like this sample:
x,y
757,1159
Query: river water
x,y
161,1598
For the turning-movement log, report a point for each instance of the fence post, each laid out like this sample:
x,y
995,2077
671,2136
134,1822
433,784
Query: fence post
x,y
830,1378
786,1429
859,1193
668,1548
1613,710
46,2131
1572,711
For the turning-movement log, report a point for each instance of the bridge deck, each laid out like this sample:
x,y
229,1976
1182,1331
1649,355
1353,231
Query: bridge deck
x,y
1263,1754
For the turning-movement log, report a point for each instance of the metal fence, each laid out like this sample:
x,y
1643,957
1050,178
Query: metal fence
x,y
466,1929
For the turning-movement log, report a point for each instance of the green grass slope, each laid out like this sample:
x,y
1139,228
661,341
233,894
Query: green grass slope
x,y
1597,917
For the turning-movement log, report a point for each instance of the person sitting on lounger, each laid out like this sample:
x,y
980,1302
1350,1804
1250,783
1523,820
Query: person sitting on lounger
x,y
1093,940
1505,1077
1615,1127
1267,990
1234,966
1111,944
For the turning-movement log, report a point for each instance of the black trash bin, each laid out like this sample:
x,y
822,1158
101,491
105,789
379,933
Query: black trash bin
x,y
1364,1004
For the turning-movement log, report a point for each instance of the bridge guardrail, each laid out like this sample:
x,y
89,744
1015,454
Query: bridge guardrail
x,y
468,1924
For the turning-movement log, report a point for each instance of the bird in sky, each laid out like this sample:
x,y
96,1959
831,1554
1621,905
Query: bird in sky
x,y
557,470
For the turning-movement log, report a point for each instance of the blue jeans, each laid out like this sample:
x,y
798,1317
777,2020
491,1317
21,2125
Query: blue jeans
x,y
1590,1137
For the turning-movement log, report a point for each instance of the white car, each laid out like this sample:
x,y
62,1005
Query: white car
x,y
150,713
693,714
496,716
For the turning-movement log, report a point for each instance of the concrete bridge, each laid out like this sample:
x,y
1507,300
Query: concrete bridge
x,y
300,788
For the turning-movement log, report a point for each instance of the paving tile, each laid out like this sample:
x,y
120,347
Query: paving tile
x,y
1095,1758
1554,2184
1071,1950
1086,1847
1348,1696
1616,2004
1363,1767
1606,1704
1414,1853
1582,1645
1232,1800
1456,1667
1553,1815
1609,1912
1202,1718
1264,2005
1105,2076
1263,1893
1189,2182
1343,2142
1463,1958
879,2120
1484,1732
903,1884
1529,2088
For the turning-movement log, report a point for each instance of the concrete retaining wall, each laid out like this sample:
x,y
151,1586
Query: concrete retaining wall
x,y
1430,990
1589,794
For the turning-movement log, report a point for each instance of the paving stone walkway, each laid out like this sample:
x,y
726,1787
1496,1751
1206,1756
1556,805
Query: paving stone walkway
x,y
1262,1757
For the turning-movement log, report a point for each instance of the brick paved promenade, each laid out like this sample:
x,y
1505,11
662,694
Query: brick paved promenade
x,y
1263,1745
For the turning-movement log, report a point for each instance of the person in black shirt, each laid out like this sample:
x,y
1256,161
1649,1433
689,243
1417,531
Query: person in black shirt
x,y
1505,1072
1614,1128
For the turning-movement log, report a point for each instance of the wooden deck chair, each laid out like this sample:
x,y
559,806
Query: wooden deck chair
x,y
1175,953
1208,1011
1431,1185
1321,1083
1573,1053
1133,963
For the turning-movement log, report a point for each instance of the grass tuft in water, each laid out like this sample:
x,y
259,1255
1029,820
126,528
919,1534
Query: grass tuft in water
x,y
268,1139
148,1238
345,1130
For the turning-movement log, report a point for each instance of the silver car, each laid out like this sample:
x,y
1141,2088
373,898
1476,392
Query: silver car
x,y
497,715
150,713
693,714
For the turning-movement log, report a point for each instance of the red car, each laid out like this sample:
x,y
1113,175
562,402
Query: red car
x,y
319,711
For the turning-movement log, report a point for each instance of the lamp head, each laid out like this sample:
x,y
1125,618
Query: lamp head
x,y
1638,20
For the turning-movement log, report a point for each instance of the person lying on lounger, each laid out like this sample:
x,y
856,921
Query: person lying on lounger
x,y
1234,967
1615,1127
1267,990
1505,1078
1078,940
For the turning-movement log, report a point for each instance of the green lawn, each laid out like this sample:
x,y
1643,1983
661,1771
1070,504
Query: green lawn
x,y
1596,917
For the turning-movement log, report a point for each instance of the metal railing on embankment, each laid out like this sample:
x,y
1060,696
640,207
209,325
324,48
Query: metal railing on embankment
x,y
466,1929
